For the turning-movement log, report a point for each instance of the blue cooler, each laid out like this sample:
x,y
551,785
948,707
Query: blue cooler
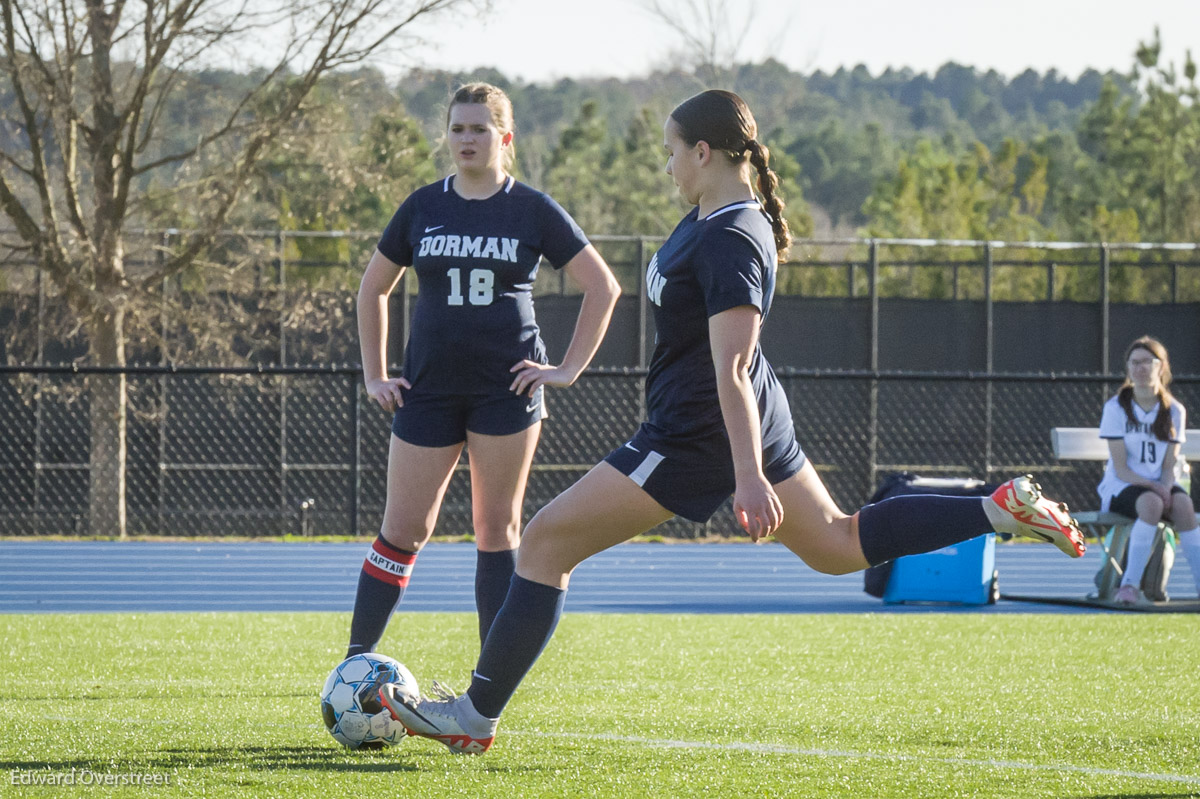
x,y
962,574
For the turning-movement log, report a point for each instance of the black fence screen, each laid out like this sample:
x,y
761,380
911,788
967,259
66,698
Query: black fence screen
x,y
249,452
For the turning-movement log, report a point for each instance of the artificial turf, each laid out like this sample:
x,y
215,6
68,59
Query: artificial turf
x,y
888,705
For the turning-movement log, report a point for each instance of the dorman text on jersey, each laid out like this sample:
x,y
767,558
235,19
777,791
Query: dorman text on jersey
x,y
500,249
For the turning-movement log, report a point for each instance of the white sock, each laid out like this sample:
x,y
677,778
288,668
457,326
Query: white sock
x,y
1141,544
1189,542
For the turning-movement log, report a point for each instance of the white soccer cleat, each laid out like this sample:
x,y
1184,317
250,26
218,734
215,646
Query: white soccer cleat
x,y
447,718
1036,516
1129,595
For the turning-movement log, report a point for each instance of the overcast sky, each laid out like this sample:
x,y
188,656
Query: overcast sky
x,y
540,40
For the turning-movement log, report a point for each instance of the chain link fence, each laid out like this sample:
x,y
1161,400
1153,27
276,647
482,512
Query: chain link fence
x,y
272,451
287,297
265,450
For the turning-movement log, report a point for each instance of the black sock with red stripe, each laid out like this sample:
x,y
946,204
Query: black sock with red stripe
x,y
381,585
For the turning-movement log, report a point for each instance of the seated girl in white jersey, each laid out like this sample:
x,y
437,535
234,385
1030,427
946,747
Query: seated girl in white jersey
x,y
718,424
1144,425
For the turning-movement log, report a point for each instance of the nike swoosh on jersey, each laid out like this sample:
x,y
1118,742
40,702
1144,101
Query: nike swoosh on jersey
x,y
435,227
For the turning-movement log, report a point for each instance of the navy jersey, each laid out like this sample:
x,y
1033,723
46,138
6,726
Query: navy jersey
x,y
475,262
708,266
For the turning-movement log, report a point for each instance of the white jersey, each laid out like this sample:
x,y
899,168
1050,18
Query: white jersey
x,y
1144,452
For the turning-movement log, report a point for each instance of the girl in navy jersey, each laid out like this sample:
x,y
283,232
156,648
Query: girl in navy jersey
x,y
1144,425
718,424
475,365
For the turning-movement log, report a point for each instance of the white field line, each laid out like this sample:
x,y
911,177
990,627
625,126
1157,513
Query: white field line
x,y
175,722
776,749
769,749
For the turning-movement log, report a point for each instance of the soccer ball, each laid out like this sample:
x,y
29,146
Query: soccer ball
x,y
350,703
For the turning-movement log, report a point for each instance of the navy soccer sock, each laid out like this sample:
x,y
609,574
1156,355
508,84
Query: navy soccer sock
x,y
381,584
519,633
493,573
916,523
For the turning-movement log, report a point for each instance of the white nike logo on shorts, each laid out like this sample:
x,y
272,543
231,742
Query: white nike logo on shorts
x,y
632,447
533,406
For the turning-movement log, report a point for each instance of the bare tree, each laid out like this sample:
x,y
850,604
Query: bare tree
x,y
712,33
90,84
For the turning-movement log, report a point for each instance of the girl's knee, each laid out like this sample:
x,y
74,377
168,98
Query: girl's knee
x,y
1150,516
831,547
1150,507
403,540
548,536
497,530
404,533
833,567
1183,511
539,533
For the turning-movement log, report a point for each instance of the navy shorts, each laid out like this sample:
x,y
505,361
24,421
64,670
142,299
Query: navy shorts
x,y
429,419
1125,503
693,479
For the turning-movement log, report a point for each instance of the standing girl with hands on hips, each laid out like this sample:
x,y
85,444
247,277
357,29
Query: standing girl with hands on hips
x,y
718,424
1144,425
475,366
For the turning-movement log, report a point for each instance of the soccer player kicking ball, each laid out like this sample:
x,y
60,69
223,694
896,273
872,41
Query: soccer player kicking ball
x,y
718,424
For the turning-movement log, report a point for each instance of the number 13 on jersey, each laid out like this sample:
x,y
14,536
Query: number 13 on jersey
x,y
479,290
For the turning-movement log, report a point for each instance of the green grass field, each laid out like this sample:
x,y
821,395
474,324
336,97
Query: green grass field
x,y
890,705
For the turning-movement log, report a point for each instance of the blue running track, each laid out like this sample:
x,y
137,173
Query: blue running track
x,y
79,577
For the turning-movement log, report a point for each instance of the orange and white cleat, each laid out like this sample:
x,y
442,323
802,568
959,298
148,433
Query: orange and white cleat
x,y
1035,516
446,718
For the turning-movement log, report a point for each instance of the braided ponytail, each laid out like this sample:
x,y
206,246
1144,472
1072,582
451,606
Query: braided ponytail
x,y
768,184
723,119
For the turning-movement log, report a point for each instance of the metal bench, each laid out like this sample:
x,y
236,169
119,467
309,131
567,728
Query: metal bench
x,y
1085,444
